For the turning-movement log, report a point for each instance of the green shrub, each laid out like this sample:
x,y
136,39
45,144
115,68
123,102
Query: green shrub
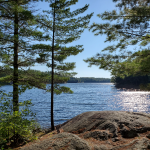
x,y
15,127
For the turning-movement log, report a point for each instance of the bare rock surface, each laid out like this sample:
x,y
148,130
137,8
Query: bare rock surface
x,y
100,130
64,141
143,144
129,124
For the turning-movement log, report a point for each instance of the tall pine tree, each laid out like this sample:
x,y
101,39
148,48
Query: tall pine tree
x,y
18,34
65,27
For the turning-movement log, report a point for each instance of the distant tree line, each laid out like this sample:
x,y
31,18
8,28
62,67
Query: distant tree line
x,y
48,79
42,76
87,80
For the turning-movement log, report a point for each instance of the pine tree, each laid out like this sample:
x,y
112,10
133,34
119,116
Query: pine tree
x,y
17,34
18,52
65,28
128,26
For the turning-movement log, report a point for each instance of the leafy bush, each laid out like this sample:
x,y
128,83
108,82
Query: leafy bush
x,y
15,127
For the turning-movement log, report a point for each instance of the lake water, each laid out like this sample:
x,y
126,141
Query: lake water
x,y
86,97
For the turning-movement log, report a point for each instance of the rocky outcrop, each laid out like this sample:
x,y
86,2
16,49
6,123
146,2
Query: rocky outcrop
x,y
63,141
113,121
101,130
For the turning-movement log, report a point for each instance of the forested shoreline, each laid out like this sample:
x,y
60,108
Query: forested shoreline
x,y
129,56
88,80
70,80
132,82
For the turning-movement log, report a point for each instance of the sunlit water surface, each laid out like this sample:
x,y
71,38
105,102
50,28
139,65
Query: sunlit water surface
x,y
86,97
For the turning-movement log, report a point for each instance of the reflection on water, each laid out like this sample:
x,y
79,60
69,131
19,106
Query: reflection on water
x,y
86,97
137,101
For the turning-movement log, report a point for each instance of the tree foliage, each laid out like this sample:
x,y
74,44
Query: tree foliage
x,y
65,27
18,32
15,125
128,26
130,81
18,35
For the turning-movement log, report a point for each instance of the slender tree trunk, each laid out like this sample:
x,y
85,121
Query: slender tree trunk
x,y
15,65
52,79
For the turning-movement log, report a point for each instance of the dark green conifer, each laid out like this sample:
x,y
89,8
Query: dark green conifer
x,y
18,34
65,27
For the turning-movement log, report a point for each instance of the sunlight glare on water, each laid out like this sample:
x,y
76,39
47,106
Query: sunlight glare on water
x,y
86,97
137,101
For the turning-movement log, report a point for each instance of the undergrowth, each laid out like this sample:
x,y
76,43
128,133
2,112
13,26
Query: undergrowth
x,y
16,127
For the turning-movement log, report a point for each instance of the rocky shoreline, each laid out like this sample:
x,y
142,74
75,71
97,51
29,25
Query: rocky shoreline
x,y
99,130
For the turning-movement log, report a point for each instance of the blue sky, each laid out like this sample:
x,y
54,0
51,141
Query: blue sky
x,y
91,44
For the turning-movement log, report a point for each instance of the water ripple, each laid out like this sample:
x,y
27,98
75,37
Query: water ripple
x,y
86,97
